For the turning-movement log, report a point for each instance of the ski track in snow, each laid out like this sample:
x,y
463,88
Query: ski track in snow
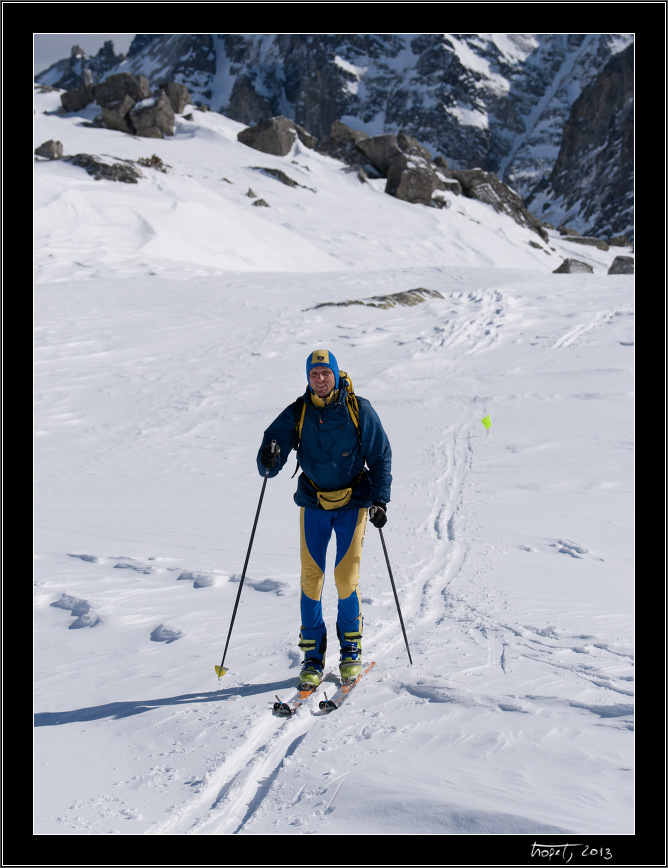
x,y
234,790
237,786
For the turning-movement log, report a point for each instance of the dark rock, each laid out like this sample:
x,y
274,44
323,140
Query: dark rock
x,y
573,266
129,106
622,265
380,151
116,116
342,145
154,162
408,298
124,172
153,118
114,89
178,96
275,136
77,98
282,177
413,179
51,150
117,96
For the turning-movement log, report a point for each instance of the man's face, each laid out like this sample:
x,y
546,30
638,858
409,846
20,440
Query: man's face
x,y
321,381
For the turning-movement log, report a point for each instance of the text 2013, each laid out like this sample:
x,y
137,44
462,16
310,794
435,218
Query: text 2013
x,y
564,852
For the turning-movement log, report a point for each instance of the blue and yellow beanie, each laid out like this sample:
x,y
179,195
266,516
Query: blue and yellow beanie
x,y
323,359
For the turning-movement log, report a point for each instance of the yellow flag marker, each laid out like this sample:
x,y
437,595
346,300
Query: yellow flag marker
x,y
220,671
487,422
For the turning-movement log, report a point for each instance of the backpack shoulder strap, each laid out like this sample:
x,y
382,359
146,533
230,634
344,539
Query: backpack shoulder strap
x,y
299,411
353,405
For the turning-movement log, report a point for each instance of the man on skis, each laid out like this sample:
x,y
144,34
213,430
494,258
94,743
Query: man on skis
x,y
345,458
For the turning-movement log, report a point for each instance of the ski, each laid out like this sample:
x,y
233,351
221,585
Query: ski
x,y
287,709
343,691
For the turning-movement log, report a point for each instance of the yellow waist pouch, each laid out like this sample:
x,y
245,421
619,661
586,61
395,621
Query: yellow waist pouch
x,y
334,499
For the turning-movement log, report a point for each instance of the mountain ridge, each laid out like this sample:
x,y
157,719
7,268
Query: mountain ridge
x,y
500,102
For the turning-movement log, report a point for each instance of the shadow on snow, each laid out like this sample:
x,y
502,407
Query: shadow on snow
x,y
118,710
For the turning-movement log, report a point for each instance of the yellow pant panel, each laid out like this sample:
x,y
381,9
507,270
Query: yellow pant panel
x,y
347,571
312,577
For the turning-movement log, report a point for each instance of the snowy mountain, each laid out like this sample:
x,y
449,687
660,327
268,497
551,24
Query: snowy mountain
x,y
500,102
172,320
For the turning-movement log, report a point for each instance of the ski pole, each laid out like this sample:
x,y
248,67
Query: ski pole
x,y
220,670
396,599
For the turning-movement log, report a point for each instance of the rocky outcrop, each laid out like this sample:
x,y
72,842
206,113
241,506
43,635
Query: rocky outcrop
x,y
573,266
282,177
487,187
77,98
407,166
343,143
117,96
408,298
413,176
153,118
275,136
80,70
124,171
622,265
178,96
51,150
129,106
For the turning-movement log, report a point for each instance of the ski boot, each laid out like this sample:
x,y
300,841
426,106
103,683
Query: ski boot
x,y
311,674
350,663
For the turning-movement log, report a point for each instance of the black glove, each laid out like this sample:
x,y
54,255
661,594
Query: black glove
x,y
378,514
269,455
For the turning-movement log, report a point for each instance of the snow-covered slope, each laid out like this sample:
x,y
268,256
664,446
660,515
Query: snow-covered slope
x,y
500,101
172,322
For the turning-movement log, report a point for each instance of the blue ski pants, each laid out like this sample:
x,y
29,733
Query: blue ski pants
x,y
316,526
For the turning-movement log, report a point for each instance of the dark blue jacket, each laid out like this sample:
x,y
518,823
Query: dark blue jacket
x,y
330,453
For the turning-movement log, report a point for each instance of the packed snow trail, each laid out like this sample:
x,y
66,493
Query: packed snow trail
x,y
233,790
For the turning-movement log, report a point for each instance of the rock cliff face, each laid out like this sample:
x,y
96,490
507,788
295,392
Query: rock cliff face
x,y
80,70
497,102
596,154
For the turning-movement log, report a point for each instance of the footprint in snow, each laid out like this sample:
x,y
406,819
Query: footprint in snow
x,y
80,609
91,559
270,585
163,633
566,547
265,585
130,564
199,580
